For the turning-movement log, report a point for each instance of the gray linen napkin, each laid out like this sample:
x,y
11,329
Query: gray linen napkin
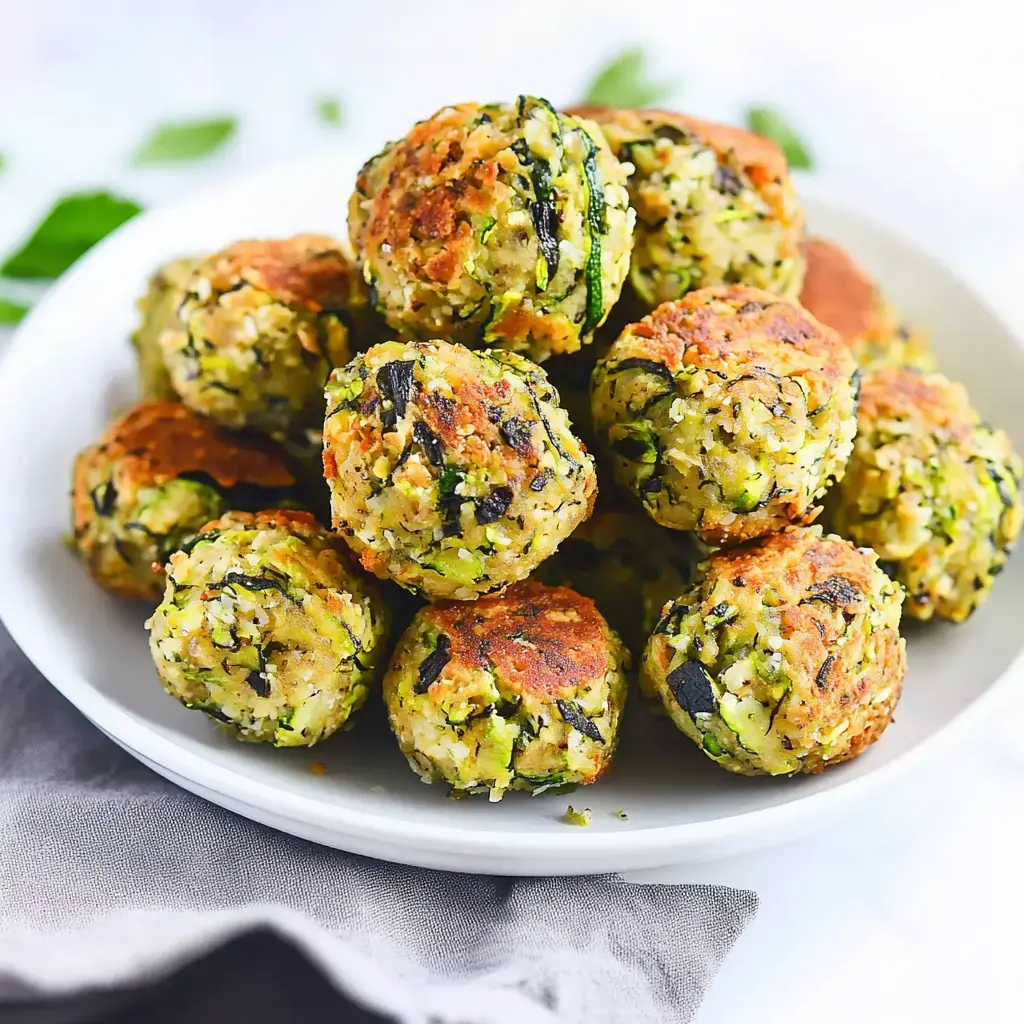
x,y
113,881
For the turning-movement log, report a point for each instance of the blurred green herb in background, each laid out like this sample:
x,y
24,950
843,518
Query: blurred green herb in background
x,y
623,82
184,141
11,312
3,161
328,109
73,226
772,125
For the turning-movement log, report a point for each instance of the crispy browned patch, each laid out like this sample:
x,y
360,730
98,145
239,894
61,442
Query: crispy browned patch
x,y
435,176
470,425
542,640
741,325
761,158
157,441
838,291
311,271
293,520
799,564
927,399
466,419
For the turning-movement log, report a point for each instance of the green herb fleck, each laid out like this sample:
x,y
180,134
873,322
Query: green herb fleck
x,y
711,745
622,814
74,225
574,817
772,125
182,141
11,312
635,442
623,82
328,109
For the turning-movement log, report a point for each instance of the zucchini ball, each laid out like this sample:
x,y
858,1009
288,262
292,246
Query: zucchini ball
x,y
518,691
266,628
784,657
727,412
628,564
501,225
453,473
153,479
839,292
262,324
714,205
158,312
932,489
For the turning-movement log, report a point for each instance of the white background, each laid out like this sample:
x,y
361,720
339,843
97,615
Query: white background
x,y
909,911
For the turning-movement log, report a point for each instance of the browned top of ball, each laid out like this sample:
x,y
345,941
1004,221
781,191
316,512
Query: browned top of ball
x,y
929,400
542,640
838,291
736,324
761,158
293,520
437,175
157,441
799,566
309,271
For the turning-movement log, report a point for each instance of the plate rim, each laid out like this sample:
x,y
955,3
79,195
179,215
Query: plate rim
x,y
621,849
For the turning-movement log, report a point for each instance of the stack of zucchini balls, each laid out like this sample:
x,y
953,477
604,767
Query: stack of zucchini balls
x,y
747,374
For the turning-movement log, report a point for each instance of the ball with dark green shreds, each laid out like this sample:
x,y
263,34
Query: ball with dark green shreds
x,y
502,225
936,492
261,325
453,473
157,475
519,691
784,657
728,412
266,628
714,205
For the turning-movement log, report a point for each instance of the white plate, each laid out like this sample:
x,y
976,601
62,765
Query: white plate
x,y
70,367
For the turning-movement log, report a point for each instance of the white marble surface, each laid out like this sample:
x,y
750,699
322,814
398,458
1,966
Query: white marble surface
x,y
908,911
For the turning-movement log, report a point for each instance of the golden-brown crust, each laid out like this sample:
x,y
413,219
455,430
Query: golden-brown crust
x,y
157,441
929,400
293,520
543,640
794,561
839,292
466,425
698,330
307,271
436,178
761,158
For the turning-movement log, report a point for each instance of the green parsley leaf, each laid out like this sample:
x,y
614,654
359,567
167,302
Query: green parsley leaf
x,y
11,312
622,82
328,109
772,125
74,225
184,141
